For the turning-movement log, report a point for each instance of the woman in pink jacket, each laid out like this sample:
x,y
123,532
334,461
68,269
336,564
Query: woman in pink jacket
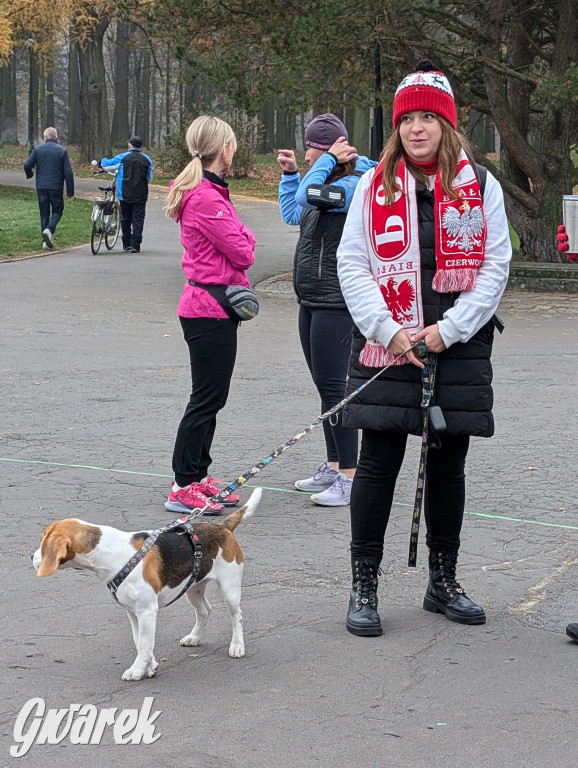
x,y
218,250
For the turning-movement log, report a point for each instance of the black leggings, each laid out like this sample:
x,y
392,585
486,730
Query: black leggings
x,y
380,460
326,340
212,350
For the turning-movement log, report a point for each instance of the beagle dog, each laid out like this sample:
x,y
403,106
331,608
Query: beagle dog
x,y
157,579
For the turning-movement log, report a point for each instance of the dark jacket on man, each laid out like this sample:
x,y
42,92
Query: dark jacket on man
x,y
134,173
52,167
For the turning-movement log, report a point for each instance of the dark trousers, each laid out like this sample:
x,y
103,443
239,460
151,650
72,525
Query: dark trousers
x,y
132,216
212,350
51,206
380,460
326,340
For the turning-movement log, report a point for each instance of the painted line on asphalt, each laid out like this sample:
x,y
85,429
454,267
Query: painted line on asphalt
x,y
270,488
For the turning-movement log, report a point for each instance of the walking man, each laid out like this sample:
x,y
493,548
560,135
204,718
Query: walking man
x,y
134,173
52,170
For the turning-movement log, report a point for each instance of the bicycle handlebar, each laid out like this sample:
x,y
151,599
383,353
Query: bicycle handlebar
x,y
112,169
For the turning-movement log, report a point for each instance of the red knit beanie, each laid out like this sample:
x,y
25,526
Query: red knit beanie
x,y
427,89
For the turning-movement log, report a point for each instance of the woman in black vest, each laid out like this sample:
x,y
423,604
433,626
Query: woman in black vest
x,y
424,256
319,203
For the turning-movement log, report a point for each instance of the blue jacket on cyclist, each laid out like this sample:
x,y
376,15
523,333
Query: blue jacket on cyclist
x,y
135,170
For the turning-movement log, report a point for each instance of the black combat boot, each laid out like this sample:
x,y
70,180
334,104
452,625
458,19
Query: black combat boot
x,y
444,594
572,631
362,616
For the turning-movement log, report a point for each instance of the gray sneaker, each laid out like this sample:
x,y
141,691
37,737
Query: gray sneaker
x,y
337,495
321,480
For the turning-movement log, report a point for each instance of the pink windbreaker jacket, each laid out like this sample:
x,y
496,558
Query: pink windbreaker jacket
x,y
218,247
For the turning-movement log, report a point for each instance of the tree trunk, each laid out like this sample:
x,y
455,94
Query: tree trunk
x,y
167,101
360,132
153,108
50,114
285,135
8,103
95,129
535,167
73,93
33,76
42,119
143,98
120,130
267,119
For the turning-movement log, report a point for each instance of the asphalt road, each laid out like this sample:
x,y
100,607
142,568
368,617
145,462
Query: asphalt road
x,y
94,380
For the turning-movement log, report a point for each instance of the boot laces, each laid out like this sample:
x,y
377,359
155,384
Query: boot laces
x,y
447,565
366,583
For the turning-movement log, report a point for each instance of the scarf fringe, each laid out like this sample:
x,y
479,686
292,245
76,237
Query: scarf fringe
x,y
454,280
373,355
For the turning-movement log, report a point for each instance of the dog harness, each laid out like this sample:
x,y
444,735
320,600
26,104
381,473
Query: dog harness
x,y
188,528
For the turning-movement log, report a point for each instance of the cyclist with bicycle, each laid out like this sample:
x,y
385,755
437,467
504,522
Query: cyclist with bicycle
x,y
134,174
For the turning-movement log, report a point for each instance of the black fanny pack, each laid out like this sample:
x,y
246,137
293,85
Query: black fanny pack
x,y
239,303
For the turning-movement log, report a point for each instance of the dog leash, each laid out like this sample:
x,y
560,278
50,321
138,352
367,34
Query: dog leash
x,y
185,522
430,438
226,492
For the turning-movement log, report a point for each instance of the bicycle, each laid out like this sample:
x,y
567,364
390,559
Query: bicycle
x,y
105,214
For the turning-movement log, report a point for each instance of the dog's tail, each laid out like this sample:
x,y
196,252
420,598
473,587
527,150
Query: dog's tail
x,y
237,517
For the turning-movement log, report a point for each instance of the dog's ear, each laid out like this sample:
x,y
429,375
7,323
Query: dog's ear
x,y
54,549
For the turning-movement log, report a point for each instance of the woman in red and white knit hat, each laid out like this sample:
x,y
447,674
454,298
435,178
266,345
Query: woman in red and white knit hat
x,y
424,257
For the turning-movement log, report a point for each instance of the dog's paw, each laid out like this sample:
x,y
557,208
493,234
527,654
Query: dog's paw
x,y
189,640
152,668
237,650
134,673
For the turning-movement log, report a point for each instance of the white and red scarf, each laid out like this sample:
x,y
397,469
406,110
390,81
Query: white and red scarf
x,y
393,239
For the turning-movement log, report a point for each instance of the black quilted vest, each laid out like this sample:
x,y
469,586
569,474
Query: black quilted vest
x,y
464,372
315,267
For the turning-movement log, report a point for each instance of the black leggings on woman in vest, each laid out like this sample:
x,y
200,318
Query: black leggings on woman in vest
x,y
325,336
380,460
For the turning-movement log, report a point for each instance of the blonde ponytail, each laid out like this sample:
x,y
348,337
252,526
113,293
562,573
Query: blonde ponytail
x,y
206,137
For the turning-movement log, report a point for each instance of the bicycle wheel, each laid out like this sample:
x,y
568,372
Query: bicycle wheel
x,y
96,235
111,228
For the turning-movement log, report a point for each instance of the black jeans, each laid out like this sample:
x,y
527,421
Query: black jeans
x,y
51,206
132,216
326,340
212,350
380,460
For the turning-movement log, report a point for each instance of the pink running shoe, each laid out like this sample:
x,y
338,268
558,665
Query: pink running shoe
x,y
192,497
210,488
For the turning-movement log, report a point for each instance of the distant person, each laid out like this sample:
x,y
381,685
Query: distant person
x,y
325,324
52,170
134,173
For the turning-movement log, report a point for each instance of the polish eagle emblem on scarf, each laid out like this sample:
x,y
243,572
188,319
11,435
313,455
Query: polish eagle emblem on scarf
x,y
399,298
465,228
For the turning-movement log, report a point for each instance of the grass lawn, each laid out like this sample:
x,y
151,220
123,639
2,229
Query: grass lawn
x,y
20,223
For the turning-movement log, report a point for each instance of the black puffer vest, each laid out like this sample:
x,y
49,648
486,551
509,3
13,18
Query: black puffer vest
x,y
464,372
315,267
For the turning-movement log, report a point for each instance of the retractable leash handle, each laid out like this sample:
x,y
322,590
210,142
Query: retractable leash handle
x,y
282,448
